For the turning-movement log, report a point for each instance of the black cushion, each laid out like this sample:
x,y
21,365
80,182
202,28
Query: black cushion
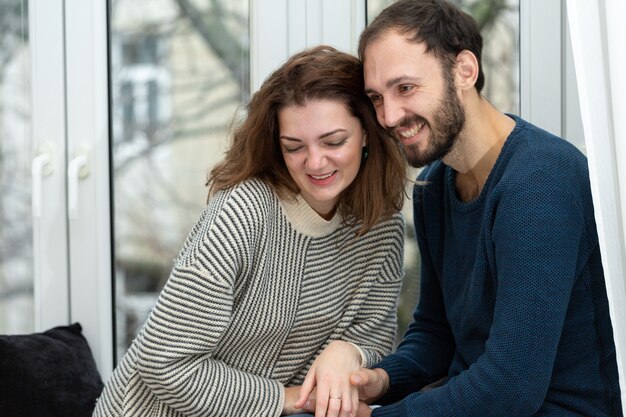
x,y
48,374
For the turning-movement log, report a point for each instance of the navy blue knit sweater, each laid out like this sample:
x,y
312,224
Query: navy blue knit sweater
x,y
513,307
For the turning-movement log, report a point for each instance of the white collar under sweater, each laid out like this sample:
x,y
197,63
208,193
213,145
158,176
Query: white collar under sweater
x,y
306,220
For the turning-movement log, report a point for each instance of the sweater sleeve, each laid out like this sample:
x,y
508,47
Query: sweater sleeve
x,y
426,350
539,235
374,328
175,352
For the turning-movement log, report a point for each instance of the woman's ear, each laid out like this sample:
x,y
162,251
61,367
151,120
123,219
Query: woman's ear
x,y
466,69
364,141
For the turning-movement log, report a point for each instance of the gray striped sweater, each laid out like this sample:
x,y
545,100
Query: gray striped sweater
x,y
260,288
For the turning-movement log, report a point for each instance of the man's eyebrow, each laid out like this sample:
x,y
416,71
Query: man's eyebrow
x,y
398,80
394,81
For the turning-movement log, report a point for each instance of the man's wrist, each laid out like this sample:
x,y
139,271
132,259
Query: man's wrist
x,y
290,396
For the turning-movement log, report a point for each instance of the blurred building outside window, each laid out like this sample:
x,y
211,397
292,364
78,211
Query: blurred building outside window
x,y
179,73
16,228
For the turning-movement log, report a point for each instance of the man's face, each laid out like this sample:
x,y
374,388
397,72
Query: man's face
x,y
414,97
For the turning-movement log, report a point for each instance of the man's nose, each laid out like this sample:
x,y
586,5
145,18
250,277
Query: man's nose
x,y
393,113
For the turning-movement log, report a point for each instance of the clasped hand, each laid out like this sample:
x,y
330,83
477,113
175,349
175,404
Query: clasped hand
x,y
326,388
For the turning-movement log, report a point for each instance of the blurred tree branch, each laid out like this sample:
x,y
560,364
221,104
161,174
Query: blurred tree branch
x,y
218,37
485,12
13,30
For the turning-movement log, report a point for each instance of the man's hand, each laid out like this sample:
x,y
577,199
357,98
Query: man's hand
x,y
291,396
364,410
371,383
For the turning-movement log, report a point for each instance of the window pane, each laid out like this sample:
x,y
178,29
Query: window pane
x,y
179,72
499,23
16,242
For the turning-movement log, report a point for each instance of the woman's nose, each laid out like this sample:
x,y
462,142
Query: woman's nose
x,y
315,159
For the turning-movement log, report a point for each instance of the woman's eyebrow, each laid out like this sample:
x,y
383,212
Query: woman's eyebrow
x,y
322,136
332,132
289,138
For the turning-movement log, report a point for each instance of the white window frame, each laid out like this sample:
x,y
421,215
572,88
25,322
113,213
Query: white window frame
x,y
548,92
540,64
280,28
50,249
90,260
69,101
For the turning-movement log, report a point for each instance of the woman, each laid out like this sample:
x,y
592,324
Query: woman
x,y
294,266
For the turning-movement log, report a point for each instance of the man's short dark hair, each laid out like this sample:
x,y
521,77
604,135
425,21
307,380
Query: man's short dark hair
x,y
442,27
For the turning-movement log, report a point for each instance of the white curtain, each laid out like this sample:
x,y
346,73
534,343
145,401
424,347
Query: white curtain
x,y
597,33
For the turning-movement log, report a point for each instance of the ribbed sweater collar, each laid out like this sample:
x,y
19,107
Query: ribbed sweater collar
x,y
306,220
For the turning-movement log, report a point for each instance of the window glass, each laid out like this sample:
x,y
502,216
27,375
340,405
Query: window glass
x,y
499,24
179,72
16,228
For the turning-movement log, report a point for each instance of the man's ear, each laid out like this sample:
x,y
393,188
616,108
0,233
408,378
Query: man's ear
x,y
466,69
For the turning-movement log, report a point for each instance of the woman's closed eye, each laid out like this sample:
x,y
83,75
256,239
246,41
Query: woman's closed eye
x,y
292,149
336,143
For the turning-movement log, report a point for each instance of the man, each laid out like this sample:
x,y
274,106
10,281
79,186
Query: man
x,y
513,317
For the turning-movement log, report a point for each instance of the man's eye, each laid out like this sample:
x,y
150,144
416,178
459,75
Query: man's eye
x,y
405,89
376,99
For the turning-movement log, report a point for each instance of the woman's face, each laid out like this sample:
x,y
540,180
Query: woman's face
x,y
321,143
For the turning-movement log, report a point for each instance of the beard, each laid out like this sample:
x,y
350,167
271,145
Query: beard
x,y
447,123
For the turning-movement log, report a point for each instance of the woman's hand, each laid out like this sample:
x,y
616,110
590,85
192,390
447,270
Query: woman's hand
x,y
329,374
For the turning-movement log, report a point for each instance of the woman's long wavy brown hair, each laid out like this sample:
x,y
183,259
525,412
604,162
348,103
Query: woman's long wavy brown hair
x,y
320,73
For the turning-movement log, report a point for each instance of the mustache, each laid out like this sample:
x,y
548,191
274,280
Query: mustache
x,y
407,121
